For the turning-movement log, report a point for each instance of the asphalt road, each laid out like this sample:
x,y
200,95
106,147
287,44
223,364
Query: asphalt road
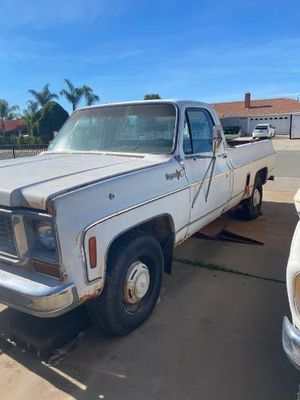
x,y
214,334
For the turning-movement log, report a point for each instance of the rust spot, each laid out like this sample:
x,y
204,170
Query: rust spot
x,y
247,190
89,296
63,277
51,208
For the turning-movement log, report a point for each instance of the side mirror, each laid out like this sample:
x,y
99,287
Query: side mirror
x,y
217,136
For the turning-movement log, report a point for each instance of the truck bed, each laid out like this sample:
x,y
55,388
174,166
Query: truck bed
x,y
243,151
244,140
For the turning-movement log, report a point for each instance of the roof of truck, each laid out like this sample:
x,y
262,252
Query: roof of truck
x,y
179,102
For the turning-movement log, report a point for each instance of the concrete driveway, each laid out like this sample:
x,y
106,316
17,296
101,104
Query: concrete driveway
x,y
216,333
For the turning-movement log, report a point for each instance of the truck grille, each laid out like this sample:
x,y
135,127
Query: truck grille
x,y
7,243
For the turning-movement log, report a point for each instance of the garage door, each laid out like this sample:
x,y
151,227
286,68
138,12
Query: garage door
x,y
281,123
295,132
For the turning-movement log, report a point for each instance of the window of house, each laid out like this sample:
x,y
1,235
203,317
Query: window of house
x,y
285,117
198,131
280,118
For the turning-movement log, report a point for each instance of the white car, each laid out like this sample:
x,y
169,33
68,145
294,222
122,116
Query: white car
x,y
95,219
291,331
264,131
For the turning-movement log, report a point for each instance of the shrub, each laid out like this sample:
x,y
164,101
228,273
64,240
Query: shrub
x,y
231,130
22,140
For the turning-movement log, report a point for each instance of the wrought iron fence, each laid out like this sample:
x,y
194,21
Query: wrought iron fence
x,y
9,151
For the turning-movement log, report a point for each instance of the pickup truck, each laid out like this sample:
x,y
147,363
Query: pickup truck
x,y
95,219
291,332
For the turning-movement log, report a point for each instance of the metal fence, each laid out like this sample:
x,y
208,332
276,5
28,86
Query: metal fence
x,y
8,151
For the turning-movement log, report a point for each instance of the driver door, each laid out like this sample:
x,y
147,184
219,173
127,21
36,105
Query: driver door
x,y
206,202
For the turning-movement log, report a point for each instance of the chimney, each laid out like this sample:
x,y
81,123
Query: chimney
x,y
247,100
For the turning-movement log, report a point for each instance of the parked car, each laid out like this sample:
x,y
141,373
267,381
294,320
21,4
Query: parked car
x,y
95,219
291,331
264,131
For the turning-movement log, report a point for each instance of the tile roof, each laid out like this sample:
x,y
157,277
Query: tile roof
x,y
257,107
13,125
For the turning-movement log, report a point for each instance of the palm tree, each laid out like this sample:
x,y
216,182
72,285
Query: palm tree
x,y
29,113
44,96
7,112
90,97
72,94
152,96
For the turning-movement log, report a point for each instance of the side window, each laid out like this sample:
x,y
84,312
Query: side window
x,y
198,132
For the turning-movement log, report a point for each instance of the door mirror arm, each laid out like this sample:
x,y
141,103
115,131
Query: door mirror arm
x,y
217,137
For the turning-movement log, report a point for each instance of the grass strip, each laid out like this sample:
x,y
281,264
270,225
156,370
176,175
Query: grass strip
x,y
221,268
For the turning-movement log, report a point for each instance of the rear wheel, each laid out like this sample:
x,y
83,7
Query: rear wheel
x,y
132,285
252,206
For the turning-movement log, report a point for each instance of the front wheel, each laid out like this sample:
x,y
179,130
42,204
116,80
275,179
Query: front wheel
x,y
252,206
132,285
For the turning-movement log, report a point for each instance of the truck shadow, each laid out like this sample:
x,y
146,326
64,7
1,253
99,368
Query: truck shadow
x,y
181,351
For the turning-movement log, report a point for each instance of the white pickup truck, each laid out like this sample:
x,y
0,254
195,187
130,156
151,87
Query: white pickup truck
x,y
95,219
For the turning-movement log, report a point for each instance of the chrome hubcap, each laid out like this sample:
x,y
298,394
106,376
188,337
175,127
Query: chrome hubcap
x,y
137,282
256,197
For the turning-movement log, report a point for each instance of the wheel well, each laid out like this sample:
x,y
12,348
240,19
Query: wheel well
x,y
263,173
162,228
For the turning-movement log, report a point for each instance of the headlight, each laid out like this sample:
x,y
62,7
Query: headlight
x,y
41,238
45,235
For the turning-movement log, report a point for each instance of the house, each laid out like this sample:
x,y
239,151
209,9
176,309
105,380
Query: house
x,y
13,127
283,113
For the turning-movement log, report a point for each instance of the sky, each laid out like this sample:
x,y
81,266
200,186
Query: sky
x,y
207,50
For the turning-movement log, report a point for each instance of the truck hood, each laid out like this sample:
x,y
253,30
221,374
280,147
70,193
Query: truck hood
x,y
29,182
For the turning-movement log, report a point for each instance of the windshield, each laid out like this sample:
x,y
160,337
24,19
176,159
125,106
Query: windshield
x,y
137,128
261,127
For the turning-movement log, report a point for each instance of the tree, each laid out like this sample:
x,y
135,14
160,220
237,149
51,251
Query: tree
x,y
44,96
7,112
72,94
29,114
51,118
152,96
90,97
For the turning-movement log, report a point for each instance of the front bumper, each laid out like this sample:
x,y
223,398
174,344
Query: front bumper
x,y
291,342
36,294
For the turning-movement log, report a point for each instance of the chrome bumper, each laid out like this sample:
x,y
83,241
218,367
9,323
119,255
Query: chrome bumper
x,y
36,294
291,342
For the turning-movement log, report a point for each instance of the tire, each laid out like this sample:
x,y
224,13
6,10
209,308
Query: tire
x,y
136,262
252,206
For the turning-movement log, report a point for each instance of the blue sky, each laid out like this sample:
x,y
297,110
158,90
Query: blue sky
x,y
210,50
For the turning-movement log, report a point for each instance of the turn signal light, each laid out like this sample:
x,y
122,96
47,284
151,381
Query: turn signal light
x,y
93,251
